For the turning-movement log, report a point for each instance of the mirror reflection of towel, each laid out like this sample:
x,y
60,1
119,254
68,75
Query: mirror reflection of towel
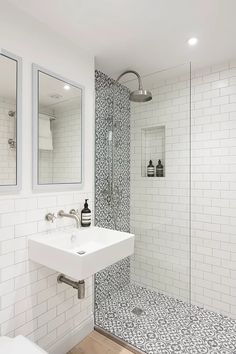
x,y
45,133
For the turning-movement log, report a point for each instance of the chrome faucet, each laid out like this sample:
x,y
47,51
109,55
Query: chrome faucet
x,y
72,214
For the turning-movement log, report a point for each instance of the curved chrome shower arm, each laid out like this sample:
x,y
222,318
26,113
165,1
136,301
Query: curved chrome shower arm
x,y
131,72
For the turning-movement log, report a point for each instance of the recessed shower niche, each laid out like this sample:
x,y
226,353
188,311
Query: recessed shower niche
x,y
153,148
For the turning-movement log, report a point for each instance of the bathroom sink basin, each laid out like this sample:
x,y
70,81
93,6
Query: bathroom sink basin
x,y
79,253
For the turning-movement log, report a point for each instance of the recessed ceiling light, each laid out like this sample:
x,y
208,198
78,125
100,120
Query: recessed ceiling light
x,y
192,41
67,87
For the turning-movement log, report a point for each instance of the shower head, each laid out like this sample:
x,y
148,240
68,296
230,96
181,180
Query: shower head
x,y
139,95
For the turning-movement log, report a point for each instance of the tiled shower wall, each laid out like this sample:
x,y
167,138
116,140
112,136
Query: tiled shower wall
x,y
8,155
214,188
112,163
160,208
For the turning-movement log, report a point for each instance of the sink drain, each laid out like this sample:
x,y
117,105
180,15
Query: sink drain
x,y
81,252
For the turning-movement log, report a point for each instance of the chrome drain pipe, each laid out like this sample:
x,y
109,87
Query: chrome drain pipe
x,y
78,285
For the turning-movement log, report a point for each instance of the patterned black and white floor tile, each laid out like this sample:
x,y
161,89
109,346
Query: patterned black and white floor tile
x,y
157,324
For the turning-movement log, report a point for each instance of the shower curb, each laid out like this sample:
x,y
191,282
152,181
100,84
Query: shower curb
x,y
118,340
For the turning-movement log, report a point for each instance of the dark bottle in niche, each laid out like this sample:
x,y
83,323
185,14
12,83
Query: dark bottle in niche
x,y
159,169
150,169
86,215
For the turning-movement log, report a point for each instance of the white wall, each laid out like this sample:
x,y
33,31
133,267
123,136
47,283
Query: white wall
x,y
160,207
32,303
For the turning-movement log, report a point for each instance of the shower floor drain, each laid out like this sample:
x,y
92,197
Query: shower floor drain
x,y
137,311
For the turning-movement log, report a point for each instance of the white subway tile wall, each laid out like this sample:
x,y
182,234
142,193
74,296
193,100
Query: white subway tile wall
x,y
31,301
7,131
213,189
160,208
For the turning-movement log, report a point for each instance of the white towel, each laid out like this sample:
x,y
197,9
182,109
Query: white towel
x,y
45,134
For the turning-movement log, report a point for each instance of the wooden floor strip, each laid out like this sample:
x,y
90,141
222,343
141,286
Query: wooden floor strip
x,y
96,343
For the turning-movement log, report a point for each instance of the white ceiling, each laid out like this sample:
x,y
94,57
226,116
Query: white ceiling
x,y
145,35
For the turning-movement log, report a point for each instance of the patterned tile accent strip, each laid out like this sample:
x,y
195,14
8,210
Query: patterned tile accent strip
x,y
112,200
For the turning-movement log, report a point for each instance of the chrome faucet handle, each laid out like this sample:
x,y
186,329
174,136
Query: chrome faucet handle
x,y
50,217
75,212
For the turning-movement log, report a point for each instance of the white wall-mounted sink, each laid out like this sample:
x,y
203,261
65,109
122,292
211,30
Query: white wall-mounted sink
x,y
79,253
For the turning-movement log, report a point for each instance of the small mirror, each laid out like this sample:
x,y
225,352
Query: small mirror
x,y
10,81
58,131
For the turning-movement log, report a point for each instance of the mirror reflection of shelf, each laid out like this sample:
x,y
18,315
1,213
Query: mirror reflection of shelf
x,y
153,148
